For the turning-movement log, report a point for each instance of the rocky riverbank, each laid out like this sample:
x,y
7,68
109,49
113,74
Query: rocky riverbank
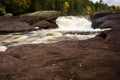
x,y
29,22
94,59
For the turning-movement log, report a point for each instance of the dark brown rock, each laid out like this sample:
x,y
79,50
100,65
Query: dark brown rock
x,y
9,66
5,18
114,39
29,19
15,26
97,22
39,19
45,25
76,60
114,24
104,13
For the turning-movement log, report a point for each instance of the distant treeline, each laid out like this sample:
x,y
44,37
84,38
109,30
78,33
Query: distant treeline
x,y
66,7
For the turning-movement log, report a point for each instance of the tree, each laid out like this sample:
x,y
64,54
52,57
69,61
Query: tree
x,y
89,10
16,6
65,7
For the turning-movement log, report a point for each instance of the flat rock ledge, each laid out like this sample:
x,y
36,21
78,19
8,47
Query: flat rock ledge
x,y
92,59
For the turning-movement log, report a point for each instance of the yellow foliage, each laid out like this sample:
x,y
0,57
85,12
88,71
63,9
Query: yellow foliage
x,y
66,4
89,10
66,7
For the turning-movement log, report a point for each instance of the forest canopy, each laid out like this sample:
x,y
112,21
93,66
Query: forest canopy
x,y
66,7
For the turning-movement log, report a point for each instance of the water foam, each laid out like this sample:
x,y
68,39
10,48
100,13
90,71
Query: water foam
x,y
71,23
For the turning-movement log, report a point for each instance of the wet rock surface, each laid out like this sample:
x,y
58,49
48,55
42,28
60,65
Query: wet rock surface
x,y
15,26
45,25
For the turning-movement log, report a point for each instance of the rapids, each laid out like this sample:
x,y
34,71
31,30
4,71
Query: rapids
x,y
70,28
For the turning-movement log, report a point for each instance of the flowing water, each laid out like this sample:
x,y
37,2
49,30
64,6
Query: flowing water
x,y
70,28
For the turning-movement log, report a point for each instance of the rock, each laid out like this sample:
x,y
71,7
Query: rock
x,y
39,19
78,60
104,13
114,24
15,26
5,18
113,39
29,19
46,15
8,14
96,22
112,17
45,25
9,66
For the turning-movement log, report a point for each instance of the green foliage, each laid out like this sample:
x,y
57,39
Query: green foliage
x,y
16,6
67,7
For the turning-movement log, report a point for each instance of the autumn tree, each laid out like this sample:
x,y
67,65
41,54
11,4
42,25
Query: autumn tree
x,y
66,7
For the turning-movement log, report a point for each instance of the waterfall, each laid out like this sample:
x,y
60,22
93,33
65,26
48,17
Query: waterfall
x,y
71,23
70,28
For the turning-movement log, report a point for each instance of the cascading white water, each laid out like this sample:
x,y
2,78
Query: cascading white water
x,y
69,29
72,23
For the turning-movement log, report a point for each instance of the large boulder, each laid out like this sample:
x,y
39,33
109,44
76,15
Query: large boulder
x,y
97,22
39,20
114,24
29,19
5,18
46,15
100,14
15,26
45,25
112,38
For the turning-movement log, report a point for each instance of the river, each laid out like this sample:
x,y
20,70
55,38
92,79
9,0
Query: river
x,y
70,28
